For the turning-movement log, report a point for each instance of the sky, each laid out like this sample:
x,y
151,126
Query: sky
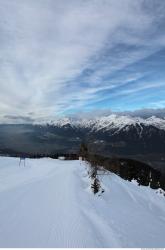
x,y
60,57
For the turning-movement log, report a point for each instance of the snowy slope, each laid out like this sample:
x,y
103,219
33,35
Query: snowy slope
x,y
48,203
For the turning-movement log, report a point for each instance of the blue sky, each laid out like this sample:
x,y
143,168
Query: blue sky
x,y
60,57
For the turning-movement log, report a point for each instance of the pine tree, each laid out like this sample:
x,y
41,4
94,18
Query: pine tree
x,y
95,186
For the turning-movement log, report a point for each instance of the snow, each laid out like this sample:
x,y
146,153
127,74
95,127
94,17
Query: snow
x,y
124,121
49,203
113,121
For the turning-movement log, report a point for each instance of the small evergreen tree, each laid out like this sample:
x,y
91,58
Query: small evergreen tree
x,y
95,186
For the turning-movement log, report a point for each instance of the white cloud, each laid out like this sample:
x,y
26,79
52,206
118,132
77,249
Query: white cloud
x,y
46,45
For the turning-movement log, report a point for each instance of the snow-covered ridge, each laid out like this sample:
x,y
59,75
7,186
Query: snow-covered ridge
x,y
110,122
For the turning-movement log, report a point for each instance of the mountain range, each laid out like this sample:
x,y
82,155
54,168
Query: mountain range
x,y
116,122
113,135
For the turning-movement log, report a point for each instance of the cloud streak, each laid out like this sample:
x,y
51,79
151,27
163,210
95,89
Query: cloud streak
x,y
59,57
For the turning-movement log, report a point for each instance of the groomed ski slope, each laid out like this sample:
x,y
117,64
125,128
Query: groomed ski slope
x,y
48,203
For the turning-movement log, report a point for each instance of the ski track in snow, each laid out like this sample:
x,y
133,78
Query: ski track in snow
x,y
48,203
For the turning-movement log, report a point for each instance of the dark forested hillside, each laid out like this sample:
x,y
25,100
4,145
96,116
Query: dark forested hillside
x,y
146,143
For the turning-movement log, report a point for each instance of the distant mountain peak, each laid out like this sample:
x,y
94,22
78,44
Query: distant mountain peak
x,y
112,121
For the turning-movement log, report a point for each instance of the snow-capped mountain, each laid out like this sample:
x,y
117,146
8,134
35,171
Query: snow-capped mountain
x,y
119,135
111,122
122,135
